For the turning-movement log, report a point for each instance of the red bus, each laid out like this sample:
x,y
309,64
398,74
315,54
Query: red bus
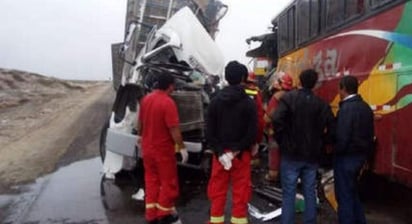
x,y
370,39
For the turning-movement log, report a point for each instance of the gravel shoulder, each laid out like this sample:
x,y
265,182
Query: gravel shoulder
x,y
40,118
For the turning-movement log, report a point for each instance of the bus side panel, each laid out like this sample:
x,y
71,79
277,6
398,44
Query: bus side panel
x,y
384,129
402,162
377,90
378,52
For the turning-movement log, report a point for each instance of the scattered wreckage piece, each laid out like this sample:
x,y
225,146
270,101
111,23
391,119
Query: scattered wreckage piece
x,y
253,211
274,195
185,49
328,188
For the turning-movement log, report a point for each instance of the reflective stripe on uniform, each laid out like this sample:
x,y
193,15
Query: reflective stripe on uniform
x,y
238,220
251,92
217,219
165,208
151,205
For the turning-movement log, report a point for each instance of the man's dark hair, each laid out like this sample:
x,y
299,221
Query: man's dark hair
x,y
308,78
164,80
235,72
349,84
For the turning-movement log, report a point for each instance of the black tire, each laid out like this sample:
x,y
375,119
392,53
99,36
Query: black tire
x,y
206,164
103,135
111,194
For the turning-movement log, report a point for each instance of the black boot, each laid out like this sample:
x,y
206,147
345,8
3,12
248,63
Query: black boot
x,y
170,219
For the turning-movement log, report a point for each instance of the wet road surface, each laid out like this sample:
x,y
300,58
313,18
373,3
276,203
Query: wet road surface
x,y
70,195
76,194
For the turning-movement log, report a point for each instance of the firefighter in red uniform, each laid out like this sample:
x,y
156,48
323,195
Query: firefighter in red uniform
x,y
253,91
282,84
231,131
158,124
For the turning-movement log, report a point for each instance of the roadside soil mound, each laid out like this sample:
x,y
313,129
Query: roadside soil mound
x,y
40,117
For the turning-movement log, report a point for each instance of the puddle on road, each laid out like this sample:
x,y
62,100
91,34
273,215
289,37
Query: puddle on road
x,y
19,202
76,194
72,195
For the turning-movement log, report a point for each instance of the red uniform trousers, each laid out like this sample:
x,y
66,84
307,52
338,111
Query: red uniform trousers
x,y
239,176
274,157
161,185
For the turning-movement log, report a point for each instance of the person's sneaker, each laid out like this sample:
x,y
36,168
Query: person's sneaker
x,y
152,222
170,219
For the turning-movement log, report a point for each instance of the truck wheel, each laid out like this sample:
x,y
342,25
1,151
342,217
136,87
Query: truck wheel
x,y
103,135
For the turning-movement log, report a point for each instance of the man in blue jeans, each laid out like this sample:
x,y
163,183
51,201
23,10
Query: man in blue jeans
x,y
301,122
354,143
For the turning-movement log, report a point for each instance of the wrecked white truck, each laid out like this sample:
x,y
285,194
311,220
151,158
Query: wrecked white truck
x,y
182,46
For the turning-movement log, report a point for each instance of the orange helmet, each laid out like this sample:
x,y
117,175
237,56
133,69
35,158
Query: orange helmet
x,y
286,81
283,81
251,77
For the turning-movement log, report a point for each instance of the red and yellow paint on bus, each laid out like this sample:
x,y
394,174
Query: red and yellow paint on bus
x,y
378,51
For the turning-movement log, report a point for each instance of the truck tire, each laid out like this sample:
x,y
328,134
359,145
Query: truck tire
x,y
103,135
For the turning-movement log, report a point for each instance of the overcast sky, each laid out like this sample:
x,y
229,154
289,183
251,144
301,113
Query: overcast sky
x,y
244,19
71,39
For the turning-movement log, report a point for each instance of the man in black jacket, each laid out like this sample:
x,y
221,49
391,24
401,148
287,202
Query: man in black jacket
x,y
354,142
301,123
231,131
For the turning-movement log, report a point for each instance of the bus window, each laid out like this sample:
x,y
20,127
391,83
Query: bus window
x,y
377,3
314,17
303,13
353,8
334,13
287,30
308,20
283,33
291,27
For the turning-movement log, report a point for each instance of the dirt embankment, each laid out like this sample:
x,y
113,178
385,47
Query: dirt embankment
x,y
42,117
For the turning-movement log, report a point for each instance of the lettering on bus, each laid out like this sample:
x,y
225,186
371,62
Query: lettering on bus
x,y
325,63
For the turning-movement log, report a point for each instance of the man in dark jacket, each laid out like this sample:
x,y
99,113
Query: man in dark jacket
x,y
354,142
231,131
301,123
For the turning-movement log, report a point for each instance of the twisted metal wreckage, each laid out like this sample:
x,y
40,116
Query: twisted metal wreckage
x,y
184,47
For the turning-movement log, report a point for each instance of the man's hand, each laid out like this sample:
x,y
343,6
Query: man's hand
x,y
226,160
255,149
183,155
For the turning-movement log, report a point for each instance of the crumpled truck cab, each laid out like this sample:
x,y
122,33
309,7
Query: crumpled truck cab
x,y
185,49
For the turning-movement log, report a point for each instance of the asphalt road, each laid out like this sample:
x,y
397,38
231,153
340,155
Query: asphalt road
x,y
76,194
